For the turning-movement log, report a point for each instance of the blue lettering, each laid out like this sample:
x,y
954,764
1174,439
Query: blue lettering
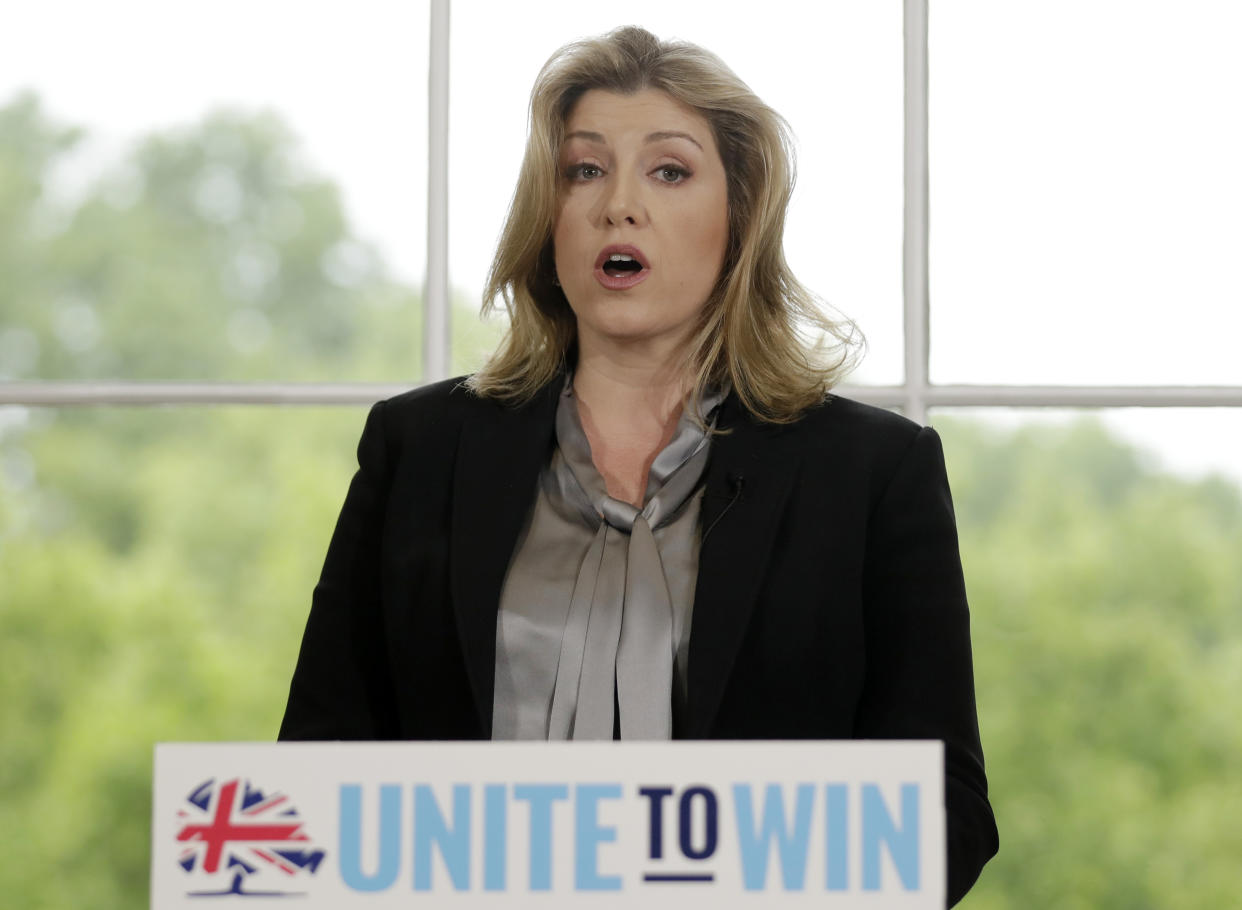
x,y
590,834
838,844
431,828
389,838
540,797
710,826
656,837
754,841
495,835
903,845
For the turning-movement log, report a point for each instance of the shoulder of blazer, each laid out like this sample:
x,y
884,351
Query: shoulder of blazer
x,y
432,406
864,424
434,414
856,442
871,433
453,401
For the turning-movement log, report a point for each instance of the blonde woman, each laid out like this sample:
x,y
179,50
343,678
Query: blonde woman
x,y
647,516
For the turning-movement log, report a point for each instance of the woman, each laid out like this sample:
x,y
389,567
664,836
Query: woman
x,y
646,517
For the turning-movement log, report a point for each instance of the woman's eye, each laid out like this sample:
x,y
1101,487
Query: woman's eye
x,y
585,172
672,174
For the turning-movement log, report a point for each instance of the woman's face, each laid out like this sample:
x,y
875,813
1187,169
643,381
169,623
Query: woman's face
x,y
643,224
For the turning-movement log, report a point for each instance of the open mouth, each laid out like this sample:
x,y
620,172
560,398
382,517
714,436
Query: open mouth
x,y
620,265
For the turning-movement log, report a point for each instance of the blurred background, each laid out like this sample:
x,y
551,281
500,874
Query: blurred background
x,y
237,192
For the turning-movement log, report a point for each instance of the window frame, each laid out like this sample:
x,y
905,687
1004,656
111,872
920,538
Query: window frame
x,y
914,396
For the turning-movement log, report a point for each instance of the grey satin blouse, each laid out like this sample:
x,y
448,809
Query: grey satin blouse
x,y
595,609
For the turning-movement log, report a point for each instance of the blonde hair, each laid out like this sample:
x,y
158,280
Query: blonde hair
x,y
760,329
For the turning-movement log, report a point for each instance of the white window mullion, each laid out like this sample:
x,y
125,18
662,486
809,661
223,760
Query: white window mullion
x,y
122,393
915,223
54,393
436,338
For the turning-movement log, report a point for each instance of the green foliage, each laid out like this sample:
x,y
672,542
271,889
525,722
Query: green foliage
x,y
151,592
208,253
1105,601
156,564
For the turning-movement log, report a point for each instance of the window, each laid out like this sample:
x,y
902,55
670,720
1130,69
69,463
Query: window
x,y
1030,211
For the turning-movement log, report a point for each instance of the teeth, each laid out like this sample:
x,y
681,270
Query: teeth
x,y
620,257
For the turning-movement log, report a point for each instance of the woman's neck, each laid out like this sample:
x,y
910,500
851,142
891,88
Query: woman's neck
x,y
629,411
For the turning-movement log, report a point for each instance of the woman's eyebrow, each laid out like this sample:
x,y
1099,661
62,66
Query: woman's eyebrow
x,y
587,135
651,137
672,134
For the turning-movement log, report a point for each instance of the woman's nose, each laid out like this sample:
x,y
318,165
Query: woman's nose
x,y
622,203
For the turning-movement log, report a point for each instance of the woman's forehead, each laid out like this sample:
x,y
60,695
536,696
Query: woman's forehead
x,y
605,117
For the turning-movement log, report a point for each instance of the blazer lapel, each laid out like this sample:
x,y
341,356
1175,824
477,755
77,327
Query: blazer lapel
x,y
748,482
501,452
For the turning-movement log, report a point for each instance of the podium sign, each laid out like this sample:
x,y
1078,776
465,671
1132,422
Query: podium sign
x,y
375,825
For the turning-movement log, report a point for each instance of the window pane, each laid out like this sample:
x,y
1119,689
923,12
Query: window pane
x,y
156,567
1085,192
1104,589
833,70
247,199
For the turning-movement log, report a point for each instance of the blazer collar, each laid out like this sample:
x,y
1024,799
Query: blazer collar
x,y
746,485
748,482
499,456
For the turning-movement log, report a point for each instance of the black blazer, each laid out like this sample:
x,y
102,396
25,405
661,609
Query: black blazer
x,y
829,604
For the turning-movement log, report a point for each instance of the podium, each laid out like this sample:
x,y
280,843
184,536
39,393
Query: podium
x,y
611,824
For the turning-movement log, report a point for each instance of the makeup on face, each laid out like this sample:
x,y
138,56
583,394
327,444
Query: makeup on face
x,y
642,223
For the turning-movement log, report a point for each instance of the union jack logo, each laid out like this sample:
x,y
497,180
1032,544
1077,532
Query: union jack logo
x,y
238,829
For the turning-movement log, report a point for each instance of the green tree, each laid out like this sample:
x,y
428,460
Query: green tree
x,y
210,252
1105,602
156,564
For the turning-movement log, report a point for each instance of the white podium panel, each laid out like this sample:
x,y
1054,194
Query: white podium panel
x,y
473,825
